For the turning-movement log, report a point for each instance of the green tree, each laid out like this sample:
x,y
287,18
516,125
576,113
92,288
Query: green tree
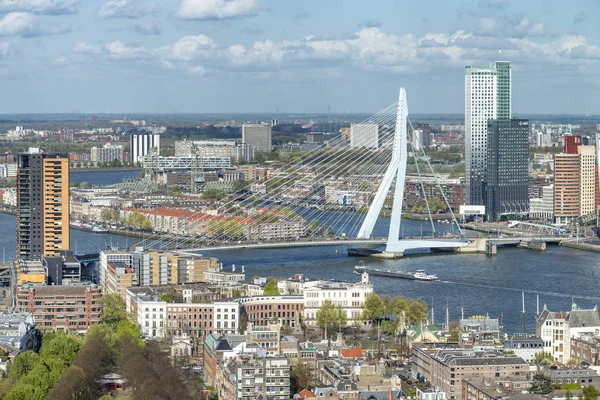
x,y
417,311
436,205
541,384
216,227
24,391
113,310
233,229
236,293
330,317
22,364
590,393
301,377
214,194
167,297
373,307
271,288
129,330
542,357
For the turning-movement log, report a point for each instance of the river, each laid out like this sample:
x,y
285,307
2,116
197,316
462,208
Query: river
x,y
488,285
103,178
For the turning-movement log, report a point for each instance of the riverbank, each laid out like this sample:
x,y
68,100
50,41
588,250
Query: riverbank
x,y
581,246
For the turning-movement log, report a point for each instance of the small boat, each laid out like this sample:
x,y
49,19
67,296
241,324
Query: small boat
x,y
99,229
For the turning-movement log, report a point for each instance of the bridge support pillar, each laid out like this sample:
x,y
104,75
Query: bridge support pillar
x,y
388,255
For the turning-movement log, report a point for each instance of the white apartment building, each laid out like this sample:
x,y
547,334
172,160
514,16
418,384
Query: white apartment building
x,y
236,152
106,154
152,318
350,296
487,96
364,135
226,317
140,145
543,208
557,328
8,170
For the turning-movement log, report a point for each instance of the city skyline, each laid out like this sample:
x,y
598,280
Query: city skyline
x,y
259,55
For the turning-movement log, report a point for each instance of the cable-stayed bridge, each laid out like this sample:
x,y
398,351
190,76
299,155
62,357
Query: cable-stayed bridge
x,y
333,194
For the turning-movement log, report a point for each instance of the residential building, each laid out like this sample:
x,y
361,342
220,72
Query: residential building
x,y
216,276
350,296
18,333
574,374
237,152
364,135
479,331
119,277
141,144
263,310
585,348
507,174
452,189
269,376
110,257
525,346
106,154
30,271
557,329
487,96
43,204
8,170
575,181
494,389
258,136
542,208
430,394
214,350
70,308
446,366
63,269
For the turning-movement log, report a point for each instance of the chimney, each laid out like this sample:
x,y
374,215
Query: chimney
x,y
390,394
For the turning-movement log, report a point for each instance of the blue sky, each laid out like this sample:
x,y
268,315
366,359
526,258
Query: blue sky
x,y
300,56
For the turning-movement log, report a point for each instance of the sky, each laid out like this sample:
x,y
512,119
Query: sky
x,y
209,56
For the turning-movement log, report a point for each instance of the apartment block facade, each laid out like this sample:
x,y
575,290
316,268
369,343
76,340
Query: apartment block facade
x,y
42,204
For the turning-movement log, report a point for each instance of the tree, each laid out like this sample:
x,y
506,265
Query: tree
x,y
542,357
25,392
271,288
541,384
453,330
373,307
113,310
214,194
301,377
436,205
73,385
417,311
590,393
233,229
167,297
330,317
22,364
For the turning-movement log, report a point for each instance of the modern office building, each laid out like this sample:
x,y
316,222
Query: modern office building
x,y
487,96
257,135
507,175
43,204
364,135
140,145
63,269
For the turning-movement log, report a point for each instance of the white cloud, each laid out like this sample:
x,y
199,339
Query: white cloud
x,y
370,49
48,7
124,9
19,24
85,48
487,25
188,48
217,9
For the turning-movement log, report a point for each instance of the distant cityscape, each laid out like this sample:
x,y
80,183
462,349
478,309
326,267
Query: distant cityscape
x,y
243,182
